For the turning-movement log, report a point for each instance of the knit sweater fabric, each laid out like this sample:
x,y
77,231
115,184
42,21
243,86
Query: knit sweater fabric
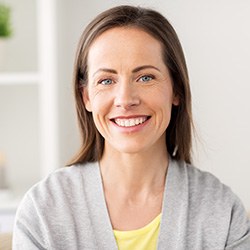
x,y
67,210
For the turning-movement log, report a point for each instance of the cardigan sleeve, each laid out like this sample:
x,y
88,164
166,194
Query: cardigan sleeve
x,y
239,231
29,230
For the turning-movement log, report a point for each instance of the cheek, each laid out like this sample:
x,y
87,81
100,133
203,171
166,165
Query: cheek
x,y
163,97
89,99
100,114
99,104
164,102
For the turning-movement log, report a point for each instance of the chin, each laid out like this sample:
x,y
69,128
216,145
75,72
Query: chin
x,y
129,148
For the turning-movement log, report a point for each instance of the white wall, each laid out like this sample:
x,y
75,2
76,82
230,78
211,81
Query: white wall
x,y
21,48
215,36
19,138
19,108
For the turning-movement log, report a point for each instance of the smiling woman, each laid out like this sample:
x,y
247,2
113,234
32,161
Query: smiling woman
x,y
131,185
178,133
128,85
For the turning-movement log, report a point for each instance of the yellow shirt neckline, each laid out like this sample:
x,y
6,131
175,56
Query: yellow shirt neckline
x,y
137,232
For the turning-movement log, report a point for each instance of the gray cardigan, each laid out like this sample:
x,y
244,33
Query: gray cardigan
x,y
67,210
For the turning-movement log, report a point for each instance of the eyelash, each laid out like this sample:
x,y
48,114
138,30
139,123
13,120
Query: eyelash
x,y
107,79
148,76
139,79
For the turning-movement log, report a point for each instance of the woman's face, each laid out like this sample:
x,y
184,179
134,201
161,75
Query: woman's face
x,y
129,90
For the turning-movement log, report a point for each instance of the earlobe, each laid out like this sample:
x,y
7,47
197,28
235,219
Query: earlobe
x,y
176,100
86,101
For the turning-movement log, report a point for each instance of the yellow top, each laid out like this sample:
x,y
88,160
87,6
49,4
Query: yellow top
x,y
141,239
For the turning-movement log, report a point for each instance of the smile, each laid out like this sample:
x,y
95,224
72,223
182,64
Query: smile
x,y
131,122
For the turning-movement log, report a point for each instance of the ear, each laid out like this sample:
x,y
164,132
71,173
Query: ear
x,y
85,98
176,100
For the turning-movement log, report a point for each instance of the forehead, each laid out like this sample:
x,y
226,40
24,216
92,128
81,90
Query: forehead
x,y
125,43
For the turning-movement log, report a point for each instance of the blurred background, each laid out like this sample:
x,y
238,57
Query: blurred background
x,y
38,129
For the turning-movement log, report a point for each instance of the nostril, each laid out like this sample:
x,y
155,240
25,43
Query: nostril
x,y
126,96
127,102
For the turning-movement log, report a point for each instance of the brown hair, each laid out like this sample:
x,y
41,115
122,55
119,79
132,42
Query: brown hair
x,y
179,131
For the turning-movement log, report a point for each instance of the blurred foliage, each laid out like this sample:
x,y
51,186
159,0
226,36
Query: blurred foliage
x,y
5,24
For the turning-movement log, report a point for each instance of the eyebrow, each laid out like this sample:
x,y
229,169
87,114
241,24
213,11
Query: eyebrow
x,y
137,69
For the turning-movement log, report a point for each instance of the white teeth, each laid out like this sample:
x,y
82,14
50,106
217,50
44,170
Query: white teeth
x,y
127,123
130,122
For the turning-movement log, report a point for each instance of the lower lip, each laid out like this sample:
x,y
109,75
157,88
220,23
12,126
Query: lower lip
x,y
131,129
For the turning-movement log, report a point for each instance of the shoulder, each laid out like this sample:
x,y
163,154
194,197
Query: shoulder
x,y
52,203
64,185
66,177
206,196
213,205
204,185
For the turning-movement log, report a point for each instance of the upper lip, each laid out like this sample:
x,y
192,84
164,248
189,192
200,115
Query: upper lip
x,y
128,116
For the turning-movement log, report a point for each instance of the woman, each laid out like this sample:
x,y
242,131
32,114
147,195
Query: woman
x,y
131,186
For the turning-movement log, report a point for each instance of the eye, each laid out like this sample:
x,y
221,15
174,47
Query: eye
x,y
105,81
146,78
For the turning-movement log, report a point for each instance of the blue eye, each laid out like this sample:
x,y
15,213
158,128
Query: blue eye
x,y
146,78
106,82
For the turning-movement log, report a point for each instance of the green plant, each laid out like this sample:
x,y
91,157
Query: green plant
x,y
5,26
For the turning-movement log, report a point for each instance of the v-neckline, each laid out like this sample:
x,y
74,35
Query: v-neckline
x,y
97,209
175,202
174,191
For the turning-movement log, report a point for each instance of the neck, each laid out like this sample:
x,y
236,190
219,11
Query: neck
x,y
134,173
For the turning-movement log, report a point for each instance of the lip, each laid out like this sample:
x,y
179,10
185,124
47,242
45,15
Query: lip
x,y
130,129
128,116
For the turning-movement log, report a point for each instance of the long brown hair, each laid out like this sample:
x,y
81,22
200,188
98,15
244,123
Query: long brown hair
x,y
179,131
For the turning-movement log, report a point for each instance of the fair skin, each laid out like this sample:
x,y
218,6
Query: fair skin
x,y
130,95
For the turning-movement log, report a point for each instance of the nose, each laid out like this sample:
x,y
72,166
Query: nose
x,y
126,95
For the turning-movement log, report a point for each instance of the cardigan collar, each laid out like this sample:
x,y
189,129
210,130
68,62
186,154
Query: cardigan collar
x,y
171,222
